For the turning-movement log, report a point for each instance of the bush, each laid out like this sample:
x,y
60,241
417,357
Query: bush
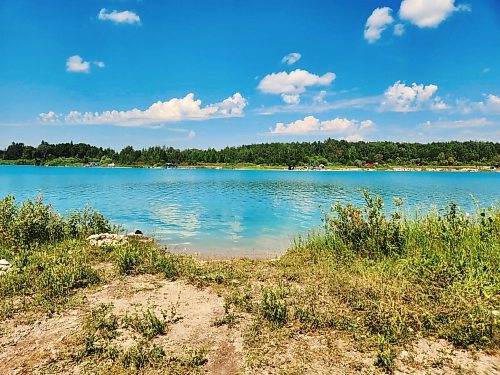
x,y
33,223
367,230
81,224
28,224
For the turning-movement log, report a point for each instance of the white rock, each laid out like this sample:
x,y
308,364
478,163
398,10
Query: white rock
x,y
107,239
4,262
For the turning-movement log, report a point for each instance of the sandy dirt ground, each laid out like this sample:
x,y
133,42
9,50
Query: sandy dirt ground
x,y
33,346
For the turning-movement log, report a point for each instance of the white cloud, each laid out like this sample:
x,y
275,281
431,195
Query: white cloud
x,y
399,29
290,85
173,110
402,98
319,98
76,64
99,64
458,124
126,16
191,134
50,117
291,58
291,99
429,13
464,8
377,23
490,105
338,126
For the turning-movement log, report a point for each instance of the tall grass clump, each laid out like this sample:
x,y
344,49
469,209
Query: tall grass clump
x,y
400,276
137,258
47,250
32,223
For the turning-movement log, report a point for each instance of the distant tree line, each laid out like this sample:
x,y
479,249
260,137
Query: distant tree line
x,y
330,151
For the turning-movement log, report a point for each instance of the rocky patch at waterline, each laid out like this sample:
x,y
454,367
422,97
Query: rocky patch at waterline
x,y
113,239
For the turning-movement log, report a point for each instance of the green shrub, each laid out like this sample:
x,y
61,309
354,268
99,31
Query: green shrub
x,y
100,326
367,230
28,224
273,306
129,259
32,223
80,224
386,360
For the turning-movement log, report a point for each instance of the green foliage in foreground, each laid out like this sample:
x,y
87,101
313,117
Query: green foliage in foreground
x,y
49,260
32,223
396,278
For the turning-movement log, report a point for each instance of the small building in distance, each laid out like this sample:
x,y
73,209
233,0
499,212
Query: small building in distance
x,y
170,165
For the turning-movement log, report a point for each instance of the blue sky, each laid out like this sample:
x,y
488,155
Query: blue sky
x,y
114,73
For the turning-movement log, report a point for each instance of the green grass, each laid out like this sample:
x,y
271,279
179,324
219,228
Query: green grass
x,y
147,322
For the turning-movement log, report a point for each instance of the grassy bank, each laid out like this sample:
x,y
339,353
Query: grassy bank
x,y
379,281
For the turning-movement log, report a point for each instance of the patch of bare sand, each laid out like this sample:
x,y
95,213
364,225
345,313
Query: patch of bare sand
x,y
440,357
320,354
333,353
30,348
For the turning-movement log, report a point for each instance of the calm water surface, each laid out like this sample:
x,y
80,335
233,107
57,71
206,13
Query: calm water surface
x,y
236,212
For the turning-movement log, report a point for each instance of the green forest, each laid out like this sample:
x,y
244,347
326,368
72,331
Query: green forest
x,y
329,152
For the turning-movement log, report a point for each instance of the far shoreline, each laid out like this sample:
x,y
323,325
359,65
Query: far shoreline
x,y
392,168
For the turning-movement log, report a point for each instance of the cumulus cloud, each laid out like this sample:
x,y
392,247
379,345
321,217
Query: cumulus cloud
x,y
99,64
76,64
429,13
311,125
291,58
126,16
173,110
291,85
377,23
402,98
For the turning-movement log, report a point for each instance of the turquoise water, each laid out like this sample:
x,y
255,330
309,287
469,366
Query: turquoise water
x,y
236,212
